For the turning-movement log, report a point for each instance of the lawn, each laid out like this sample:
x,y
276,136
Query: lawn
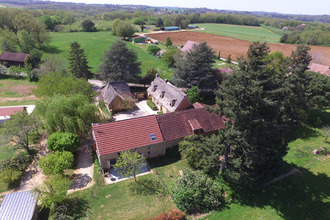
x,y
128,200
16,91
95,43
304,196
249,33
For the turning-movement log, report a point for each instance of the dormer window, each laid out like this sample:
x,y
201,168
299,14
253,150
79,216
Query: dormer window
x,y
154,88
172,102
162,94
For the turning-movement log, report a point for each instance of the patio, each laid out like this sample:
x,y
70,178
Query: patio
x,y
114,177
141,109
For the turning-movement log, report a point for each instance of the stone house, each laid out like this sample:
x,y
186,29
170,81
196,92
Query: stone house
x,y
167,97
151,135
117,96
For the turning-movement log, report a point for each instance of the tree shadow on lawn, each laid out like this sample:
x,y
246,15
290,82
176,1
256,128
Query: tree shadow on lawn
x,y
296,197
52,49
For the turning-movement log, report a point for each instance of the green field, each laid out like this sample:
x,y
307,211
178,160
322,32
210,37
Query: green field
x,y
95,43
248,33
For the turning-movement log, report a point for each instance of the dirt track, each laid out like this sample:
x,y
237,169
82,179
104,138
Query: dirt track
x,y
235,47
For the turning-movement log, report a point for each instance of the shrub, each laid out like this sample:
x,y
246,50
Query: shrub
x,y
56,163
151,105
153,49
196,192
173,214
193,94
63,142
10,176
18,162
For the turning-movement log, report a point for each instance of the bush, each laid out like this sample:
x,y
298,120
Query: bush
x,y
63,142
152,105
153,49
56,163
173,214
193,94
18,162
10,176
196,192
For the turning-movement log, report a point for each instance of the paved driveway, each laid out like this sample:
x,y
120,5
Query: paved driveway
x,y
141,109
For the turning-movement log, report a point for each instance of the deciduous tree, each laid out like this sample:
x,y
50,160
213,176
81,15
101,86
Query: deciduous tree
x,y
88,26
168,42
63,142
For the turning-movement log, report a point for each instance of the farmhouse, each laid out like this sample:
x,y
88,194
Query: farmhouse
x,y
151,135
137,39
188,46
19,206
173,28
117,96
13,59
6,112
166,96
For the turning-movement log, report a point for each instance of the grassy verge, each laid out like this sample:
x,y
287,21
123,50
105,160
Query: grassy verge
x,y
241,32
95,43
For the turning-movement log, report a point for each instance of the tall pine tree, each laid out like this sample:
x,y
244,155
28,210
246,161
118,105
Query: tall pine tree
x,y
195,68
78,62
120,63
254,98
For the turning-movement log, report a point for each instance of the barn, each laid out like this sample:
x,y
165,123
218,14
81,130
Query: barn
x,y
173,28
137,39
13,59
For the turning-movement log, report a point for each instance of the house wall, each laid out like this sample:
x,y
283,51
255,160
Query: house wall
x,y
118,104
184,104
149,151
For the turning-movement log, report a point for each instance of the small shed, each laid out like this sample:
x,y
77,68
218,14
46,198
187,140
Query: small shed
x,y
117,96
13,59
6,112
173,28
191,26
19,206
137,39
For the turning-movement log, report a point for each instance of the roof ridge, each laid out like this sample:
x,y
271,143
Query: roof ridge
x,y
144,116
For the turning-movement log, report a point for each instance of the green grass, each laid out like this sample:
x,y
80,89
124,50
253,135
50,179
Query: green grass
x,y
125,200
241,32
305,196
95,43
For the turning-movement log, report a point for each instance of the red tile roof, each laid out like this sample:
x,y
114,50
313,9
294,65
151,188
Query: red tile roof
x,y
18,57
127,134
318,68
7,111
176,125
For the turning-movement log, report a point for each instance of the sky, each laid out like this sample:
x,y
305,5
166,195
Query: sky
x,y
310,7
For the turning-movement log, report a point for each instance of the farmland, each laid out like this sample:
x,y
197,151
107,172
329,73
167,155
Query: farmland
x,y
95,43
249,33
235,47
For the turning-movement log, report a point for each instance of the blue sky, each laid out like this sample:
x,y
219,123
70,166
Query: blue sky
x,y
312,7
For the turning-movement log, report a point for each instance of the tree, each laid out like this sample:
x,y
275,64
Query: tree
x,y
228,59
19,127
10,41
114,26
196,192
39,34
53,64
53,191
35,58
68,114
130,163
51,84
195,68
319,91
159,23
153,49
120,63
65,141
194,94
170,56
88,26
25,41
149,77
124,29
78,63
254,97
56,163
168,42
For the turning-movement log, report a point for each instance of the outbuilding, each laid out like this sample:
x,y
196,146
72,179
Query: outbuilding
x,y
173,28
137,39
13,59
19,206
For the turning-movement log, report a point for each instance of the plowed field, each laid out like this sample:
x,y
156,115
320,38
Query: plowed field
x,y
235,47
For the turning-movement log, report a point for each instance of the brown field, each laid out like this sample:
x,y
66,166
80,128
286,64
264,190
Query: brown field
x,y
235,47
